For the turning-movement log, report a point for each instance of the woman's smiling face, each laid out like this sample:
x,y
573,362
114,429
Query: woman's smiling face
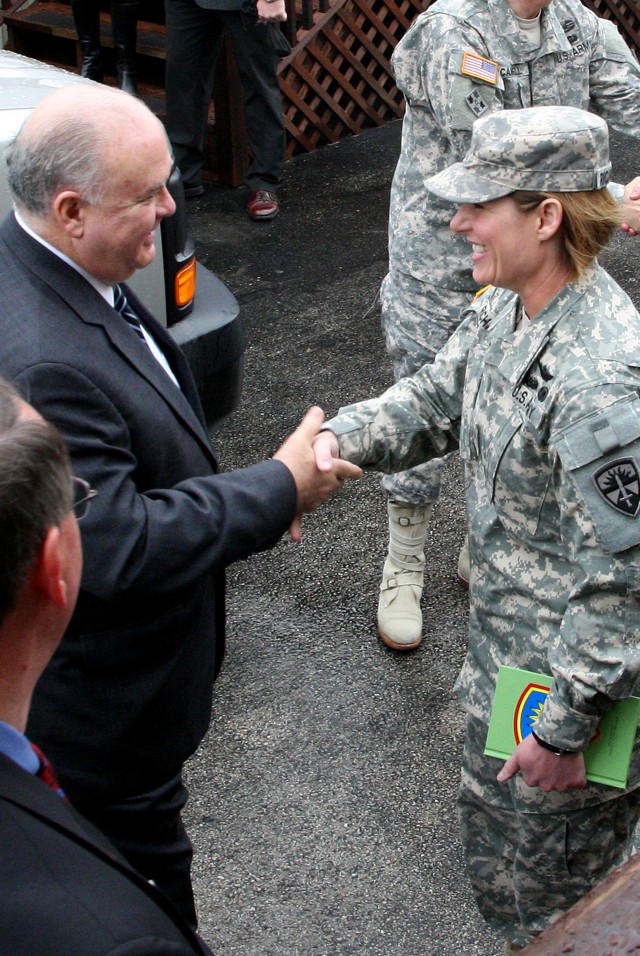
x,y
503,242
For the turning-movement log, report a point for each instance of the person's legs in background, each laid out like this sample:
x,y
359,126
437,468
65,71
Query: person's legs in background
x,y
124,25
417,320
258,67
86,17
194,41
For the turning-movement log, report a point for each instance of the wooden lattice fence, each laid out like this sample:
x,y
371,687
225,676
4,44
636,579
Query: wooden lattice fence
x,y
625,15
338,80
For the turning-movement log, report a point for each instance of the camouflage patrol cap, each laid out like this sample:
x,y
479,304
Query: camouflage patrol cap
x,y
542,148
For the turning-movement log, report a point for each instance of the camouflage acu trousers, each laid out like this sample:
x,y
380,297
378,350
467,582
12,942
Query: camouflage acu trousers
x,y
417,319
531,855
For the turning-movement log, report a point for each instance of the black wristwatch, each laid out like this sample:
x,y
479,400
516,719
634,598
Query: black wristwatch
x,y
550,747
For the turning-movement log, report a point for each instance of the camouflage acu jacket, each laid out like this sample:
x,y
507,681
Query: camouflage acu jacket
x,y
549,431
463,58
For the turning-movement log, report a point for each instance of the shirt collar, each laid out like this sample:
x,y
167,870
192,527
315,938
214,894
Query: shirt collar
x,y
16,747
106,291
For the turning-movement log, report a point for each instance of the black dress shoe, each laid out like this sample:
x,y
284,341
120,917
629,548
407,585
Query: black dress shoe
x,y
191,190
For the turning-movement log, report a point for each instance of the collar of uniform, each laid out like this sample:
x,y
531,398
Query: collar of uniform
x,y
506,27
524,345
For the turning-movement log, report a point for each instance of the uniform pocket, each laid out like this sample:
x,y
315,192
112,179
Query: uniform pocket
x,y
601,455
518,475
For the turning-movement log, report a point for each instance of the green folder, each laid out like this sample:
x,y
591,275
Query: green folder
x,y
517,704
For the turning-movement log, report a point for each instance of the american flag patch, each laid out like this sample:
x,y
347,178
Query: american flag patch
x,y
479,68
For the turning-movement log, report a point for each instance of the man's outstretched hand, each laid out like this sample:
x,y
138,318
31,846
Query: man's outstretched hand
x,y
315,482
631,207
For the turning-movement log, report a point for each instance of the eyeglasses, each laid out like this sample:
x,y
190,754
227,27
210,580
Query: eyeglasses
x,y
82,495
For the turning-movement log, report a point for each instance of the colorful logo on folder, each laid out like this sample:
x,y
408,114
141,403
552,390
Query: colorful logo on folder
x,y
528,709
518,702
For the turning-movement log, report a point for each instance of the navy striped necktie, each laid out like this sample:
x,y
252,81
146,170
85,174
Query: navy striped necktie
x,y
122,306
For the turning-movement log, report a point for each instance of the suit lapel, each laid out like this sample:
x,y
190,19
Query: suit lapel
x,y
28,792
173,353
80,296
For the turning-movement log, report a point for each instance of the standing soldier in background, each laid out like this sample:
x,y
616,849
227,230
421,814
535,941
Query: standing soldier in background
x,y
460,60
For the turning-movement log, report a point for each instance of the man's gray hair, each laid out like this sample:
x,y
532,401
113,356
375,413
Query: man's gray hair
x,y
70,155
35,492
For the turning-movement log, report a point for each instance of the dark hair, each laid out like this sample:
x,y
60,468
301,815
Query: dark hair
x,y
588,222
35,492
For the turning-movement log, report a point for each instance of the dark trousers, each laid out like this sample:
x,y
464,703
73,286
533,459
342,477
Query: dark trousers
x,y
149,832
194,41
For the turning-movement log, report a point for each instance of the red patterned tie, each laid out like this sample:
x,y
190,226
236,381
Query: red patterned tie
x,y
47,774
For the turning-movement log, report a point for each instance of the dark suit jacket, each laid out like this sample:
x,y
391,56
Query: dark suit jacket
x,y
127,697
66,891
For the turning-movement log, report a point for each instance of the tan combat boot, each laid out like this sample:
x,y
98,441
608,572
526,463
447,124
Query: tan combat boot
x,y
399,614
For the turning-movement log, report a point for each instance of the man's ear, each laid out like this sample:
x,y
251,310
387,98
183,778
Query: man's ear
x,y
550,213
47,570
69,209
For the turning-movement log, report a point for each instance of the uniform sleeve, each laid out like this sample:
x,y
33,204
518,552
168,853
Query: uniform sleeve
x,y
416,419
596,659
614,80
444,66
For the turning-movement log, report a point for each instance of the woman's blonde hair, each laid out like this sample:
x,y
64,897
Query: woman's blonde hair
x,y
589,220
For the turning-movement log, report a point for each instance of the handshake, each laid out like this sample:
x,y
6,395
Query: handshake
x,y
313,460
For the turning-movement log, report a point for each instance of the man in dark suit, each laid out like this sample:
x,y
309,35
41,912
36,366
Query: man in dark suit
x,y
127,697
65,889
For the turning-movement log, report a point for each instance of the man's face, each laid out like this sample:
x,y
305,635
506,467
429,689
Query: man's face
x,y
119,232
528,9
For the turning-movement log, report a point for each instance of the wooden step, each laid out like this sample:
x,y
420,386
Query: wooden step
x,y
56,20
46,31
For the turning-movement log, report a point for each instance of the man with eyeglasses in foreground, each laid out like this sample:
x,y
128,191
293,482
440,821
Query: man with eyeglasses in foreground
x,y
126,698
65,888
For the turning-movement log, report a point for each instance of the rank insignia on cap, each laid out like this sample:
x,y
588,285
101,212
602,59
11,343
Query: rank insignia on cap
x,y
479,68
475,103
618,483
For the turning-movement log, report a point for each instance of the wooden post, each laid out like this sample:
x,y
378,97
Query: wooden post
x,y
606,922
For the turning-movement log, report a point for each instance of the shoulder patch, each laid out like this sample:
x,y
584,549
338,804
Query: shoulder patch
x,y
601,454
618,484
479,68
476,103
